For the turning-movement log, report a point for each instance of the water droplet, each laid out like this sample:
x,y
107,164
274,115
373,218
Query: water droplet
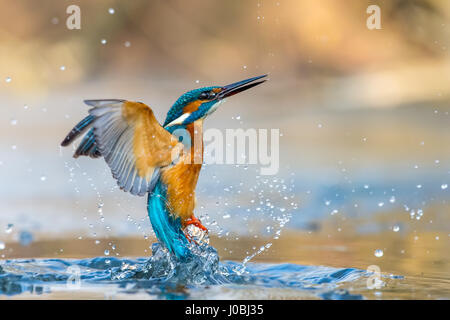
x,y
444,186
14,147
392,199
2,245
226,216
103,41
106,252
8,79
13,122
419,214
111,10
9,228
43,178
396,228
319,125
127,44
380,204
379,253
62,68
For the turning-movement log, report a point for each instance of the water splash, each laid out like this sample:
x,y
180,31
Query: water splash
x,y
163,277
202,268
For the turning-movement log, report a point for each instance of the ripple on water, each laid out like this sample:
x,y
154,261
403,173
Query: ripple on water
x,y
162,276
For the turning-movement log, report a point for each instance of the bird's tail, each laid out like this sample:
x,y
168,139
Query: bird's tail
x,y
167,228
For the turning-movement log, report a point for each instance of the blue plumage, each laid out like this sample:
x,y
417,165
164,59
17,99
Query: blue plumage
x,y
77,130
88,146
200,112
177,108
166,227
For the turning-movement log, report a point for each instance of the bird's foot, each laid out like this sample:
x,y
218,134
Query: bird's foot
x,y
192,235
195,222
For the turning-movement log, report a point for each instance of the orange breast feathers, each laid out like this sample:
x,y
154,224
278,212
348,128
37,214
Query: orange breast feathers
x,y
181,179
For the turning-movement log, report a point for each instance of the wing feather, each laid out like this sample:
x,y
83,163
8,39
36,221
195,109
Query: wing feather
x,y
130,139
132,143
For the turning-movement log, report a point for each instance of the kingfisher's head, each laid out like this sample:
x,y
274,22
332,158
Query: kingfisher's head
x,y
199,103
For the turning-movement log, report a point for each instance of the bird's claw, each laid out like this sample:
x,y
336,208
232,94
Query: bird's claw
x,y
195,222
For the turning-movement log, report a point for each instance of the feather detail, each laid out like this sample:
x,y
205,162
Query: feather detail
x,y
88,146
81,127
130,139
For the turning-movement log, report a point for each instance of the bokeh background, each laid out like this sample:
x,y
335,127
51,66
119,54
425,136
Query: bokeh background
x,y
364,118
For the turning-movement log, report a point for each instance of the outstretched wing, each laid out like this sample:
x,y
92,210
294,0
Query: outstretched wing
x,y
131,141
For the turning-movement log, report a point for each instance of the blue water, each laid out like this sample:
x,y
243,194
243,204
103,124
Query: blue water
x,y
162,277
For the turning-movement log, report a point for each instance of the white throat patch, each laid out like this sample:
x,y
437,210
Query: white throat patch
x,y
179,120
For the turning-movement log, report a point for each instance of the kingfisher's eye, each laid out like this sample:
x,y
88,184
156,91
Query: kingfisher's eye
x,y
203,96
207,95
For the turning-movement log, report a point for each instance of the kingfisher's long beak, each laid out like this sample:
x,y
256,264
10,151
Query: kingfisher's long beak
x,y
232,89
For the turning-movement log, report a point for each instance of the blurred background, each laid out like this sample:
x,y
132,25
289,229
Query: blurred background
x,y
363,114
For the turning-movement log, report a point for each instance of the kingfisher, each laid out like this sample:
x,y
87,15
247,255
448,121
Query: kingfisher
x,y
146,158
